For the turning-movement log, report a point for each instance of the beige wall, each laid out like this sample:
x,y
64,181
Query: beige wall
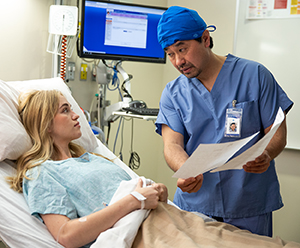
x,y
23,40
23,56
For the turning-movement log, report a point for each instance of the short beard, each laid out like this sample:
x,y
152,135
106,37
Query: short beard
x,y
190,75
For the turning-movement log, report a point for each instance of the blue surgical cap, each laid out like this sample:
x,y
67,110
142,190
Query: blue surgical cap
x,y
179,23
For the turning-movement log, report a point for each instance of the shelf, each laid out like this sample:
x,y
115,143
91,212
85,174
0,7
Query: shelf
x,y
144,117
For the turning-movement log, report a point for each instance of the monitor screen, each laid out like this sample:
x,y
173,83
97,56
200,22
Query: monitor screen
x,y
120,31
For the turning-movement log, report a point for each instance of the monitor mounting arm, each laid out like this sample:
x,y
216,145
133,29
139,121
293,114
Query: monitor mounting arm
x,y
109,110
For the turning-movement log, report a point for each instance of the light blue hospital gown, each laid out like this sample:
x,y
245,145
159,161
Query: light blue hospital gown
x,y
187,107
74,187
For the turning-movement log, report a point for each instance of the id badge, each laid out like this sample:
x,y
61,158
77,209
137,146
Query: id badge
x,y
233,122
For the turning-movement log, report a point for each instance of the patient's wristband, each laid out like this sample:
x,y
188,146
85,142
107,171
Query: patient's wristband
x,y
139,197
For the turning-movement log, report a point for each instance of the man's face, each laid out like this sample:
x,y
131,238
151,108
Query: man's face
x,y
232,126
189,57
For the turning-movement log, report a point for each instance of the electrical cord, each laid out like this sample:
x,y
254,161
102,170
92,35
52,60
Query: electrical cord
x,y
123,85
134,160
121,145
123,88
108,132
115,80
117,134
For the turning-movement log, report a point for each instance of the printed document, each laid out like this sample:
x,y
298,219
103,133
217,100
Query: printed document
x,y
213,157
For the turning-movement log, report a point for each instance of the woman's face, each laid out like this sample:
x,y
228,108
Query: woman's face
x,y
65,125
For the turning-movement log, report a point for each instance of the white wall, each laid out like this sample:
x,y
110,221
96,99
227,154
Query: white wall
x,y
253,42
23,40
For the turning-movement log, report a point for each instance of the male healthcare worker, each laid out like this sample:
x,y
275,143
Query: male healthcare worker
x,y
199,106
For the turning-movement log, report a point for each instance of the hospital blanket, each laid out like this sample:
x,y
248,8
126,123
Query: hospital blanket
x,y
169,227
122,234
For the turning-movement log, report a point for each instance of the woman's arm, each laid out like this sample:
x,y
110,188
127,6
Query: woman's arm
x,y
78,232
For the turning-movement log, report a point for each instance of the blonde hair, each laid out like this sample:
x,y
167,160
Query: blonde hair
x,y
37,110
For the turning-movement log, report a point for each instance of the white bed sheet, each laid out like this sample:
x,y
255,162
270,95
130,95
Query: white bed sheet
x,y
17,227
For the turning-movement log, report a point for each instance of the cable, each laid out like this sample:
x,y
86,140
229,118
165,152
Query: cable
x,y
63,57
109,66
121,145
117,134
123,85
108,132
115,79
134,160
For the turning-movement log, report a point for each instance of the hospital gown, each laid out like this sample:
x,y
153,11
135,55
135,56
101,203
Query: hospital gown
x,y
74,187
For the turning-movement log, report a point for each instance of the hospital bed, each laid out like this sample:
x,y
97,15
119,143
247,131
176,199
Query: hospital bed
x,y
19,229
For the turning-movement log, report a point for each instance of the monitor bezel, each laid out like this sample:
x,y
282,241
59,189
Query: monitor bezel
x,y
117,57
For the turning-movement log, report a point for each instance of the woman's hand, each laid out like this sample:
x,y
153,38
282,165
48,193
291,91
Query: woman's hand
x,y
151,194
162,191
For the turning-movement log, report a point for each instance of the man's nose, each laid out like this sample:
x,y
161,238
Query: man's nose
x,y
180,61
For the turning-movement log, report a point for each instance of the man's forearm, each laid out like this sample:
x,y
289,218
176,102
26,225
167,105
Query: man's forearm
x,y
278,142
175,156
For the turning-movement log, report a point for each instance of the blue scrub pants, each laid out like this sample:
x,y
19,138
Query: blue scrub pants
x,y
261,224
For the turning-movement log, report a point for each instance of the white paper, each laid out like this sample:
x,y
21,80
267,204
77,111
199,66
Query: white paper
x,y
255,150
209,156
214,156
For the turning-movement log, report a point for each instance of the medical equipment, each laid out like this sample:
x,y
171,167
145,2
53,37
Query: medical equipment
x,y
62,33
142,111
120,31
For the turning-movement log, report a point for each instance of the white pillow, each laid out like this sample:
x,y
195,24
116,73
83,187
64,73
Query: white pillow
x,y
14,139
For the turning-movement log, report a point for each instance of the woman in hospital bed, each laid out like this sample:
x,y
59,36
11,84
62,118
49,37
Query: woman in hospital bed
x,y
62,182
69,190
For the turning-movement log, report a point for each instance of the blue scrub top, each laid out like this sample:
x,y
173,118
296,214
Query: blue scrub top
x,y
187,107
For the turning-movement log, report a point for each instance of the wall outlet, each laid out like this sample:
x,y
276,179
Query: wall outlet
x,y
94,73
71,71
83,71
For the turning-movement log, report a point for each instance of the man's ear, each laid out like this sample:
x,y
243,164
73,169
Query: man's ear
x,y
206,38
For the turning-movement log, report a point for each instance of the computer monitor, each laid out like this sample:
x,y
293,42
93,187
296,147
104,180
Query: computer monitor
x,y
120,31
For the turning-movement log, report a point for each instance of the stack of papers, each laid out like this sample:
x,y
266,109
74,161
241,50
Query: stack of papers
x,y
214,157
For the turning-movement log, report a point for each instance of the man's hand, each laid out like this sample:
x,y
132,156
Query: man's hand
x,y
259,165
273,149
190,185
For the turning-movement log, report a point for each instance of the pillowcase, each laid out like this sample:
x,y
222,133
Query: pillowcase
x,y
14,139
